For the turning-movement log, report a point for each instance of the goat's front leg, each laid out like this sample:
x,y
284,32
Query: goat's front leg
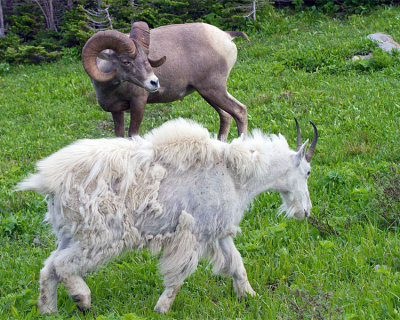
x,y
175,266
119,126
165,301
179,260
227,260
137,107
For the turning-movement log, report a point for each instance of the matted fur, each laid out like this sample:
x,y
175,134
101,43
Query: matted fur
x,y
176,190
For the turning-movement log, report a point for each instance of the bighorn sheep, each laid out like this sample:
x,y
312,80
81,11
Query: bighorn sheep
x,y
175,190
193,56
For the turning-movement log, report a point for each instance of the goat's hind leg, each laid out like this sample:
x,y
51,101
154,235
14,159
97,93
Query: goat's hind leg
x,y
70,264
227,260
47,301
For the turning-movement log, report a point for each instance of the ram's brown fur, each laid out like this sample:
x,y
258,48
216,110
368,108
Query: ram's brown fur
x,y
198,57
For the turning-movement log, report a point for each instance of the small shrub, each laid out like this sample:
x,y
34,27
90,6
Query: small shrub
x,y
223,14
48,39
74,30
342,7
12,50
4,68
31,54
26,21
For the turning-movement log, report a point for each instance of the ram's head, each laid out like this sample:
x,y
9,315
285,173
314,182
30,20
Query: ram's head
x,y
128,56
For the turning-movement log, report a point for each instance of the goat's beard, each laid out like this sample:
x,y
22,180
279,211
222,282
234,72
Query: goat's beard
x,y
290,211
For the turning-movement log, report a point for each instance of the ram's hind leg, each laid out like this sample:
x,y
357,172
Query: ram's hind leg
x,y
227,260
220,99
225,120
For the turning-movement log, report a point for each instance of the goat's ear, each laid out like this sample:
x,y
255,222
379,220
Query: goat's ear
x,y
300,154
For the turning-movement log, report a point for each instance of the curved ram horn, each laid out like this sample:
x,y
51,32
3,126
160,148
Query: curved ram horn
x,y
140,32
298,135
156,63
109,39
310,151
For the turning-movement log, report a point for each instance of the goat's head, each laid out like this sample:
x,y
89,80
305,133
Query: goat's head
x,y
294,188
129,57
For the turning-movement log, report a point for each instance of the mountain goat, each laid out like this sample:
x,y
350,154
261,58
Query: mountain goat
x,y
175,190
193,56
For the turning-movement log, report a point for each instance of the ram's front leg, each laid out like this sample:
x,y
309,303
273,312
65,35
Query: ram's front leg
x,y
137,107
119,126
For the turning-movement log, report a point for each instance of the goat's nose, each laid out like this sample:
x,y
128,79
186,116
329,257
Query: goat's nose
x,y
306,213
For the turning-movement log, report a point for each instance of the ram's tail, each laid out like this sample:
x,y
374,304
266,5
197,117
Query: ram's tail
x,y
235,34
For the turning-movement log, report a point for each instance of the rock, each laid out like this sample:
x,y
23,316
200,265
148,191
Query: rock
x,y
361,57
384,41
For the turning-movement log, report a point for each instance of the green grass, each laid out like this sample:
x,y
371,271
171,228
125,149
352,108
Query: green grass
x,y
344,263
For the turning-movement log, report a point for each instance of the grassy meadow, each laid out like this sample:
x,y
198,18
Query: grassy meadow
x,y
342,263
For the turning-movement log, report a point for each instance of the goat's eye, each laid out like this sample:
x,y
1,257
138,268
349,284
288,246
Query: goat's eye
x,y
126,63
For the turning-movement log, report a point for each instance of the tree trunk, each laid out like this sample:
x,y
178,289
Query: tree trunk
x,y
46,6
2,31
52,24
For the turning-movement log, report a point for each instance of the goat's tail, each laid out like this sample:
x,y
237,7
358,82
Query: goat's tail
x,y
33,182
235,34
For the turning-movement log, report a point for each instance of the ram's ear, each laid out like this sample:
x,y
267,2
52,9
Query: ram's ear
x,y
300,154
156,63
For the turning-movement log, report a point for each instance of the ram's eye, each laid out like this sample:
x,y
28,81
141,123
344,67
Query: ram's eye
x,y
126,63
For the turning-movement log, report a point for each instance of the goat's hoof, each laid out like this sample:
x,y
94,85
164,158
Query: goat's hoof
x,y
252,293
248,293
47,311
45,308
161,309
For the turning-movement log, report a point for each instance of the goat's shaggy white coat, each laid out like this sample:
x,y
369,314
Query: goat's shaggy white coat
x,y
176,189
